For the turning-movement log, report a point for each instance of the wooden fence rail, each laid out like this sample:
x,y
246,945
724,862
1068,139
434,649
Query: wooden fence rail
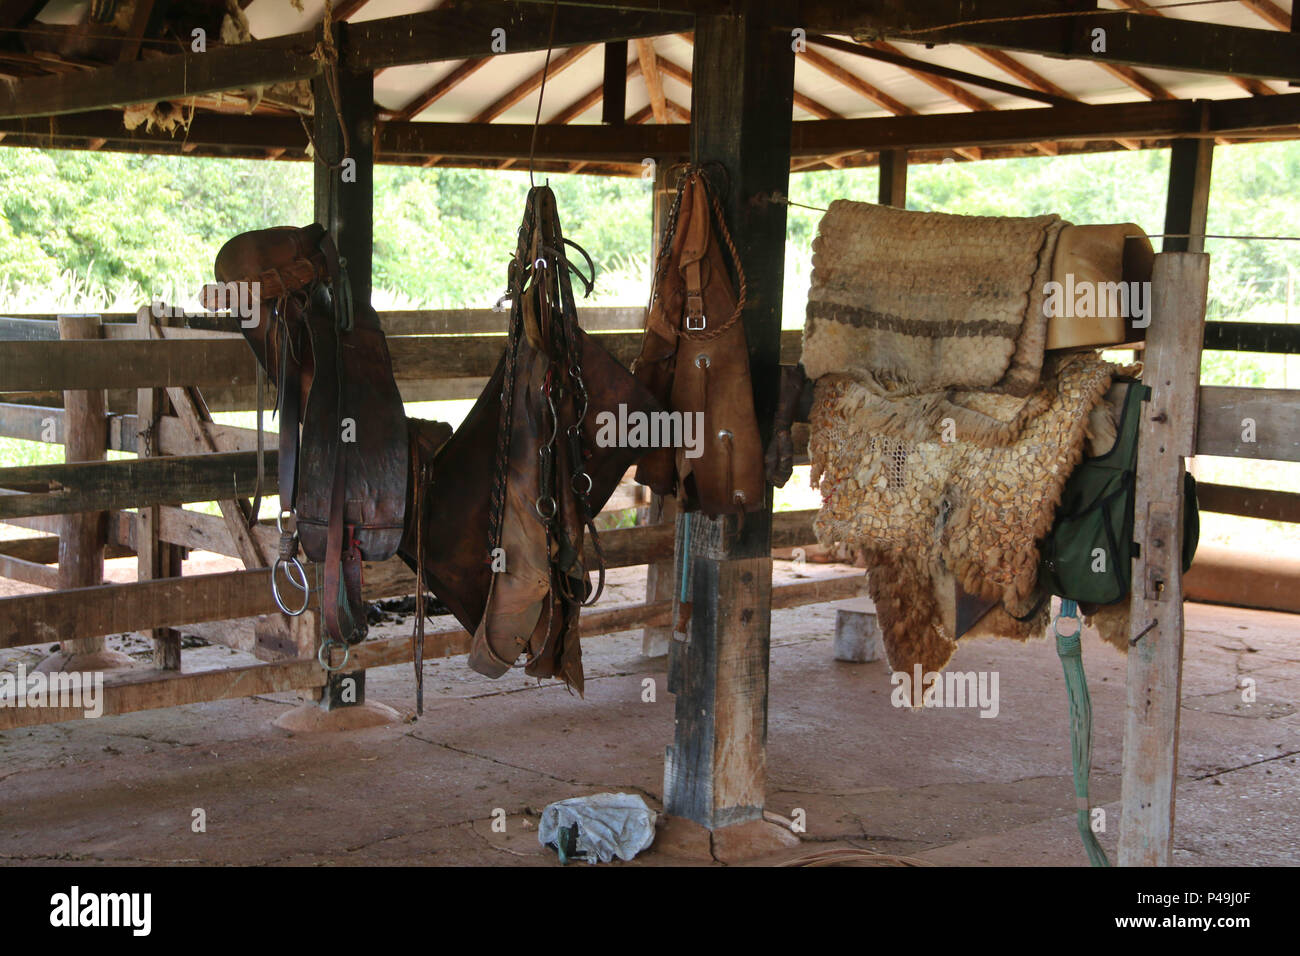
x,y
437,355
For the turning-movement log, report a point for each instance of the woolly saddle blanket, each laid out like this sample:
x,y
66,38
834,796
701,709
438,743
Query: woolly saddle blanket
x,y
941,435
913,302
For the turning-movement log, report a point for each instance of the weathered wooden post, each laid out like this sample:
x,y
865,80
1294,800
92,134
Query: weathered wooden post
x,y
344,184
155,557
83,537
893,178
1155,657
659,575
715,772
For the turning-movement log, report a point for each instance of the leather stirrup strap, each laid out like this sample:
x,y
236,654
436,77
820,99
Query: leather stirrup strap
x,y
290,416
418,477
344,610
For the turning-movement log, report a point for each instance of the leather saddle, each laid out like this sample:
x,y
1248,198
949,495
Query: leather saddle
x,y
508,500
344,448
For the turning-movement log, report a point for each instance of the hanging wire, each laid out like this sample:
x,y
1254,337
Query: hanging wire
x,y
1054,15
781,199
541,93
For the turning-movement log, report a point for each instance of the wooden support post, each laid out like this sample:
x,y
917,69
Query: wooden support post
x,y
1187,203
1155,658
715,772
613,104
893,178
659,574
344,190
344,196
83,536
155,557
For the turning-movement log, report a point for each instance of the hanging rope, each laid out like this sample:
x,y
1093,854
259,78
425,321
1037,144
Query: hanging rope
x,y
541,93
326,54
1069,649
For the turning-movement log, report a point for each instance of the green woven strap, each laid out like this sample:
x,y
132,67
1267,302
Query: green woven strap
x,y
1068,648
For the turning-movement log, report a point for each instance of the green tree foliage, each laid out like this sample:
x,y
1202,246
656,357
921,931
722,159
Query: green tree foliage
x,y
104,221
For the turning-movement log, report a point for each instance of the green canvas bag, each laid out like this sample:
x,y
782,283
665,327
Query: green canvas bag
x,y
1087,556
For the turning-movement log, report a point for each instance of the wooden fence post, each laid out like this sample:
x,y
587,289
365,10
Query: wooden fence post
x,y
83,536
1155,657
155,557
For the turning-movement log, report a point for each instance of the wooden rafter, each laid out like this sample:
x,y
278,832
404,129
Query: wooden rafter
x,y
959,93
654,83
344,9
646,113
856,83
1022,72
878,96
945,86
1032,78
1273,14
440,89
1143,84
588,99
559,63
135,34
887,53
806,103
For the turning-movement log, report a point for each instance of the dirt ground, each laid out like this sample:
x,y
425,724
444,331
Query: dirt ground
x,y
945,786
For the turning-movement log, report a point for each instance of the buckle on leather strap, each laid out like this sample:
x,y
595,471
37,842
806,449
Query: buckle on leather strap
x,y
702,320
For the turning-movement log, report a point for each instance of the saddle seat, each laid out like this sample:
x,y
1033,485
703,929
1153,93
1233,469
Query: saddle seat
x,y
344,449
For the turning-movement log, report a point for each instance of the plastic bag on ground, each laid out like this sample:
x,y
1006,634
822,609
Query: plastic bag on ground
x,y
607,825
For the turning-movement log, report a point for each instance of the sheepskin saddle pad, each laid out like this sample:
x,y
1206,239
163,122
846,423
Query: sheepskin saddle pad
x,y
912,302
938,504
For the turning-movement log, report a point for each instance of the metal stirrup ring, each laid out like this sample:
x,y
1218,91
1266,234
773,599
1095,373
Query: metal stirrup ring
x,y
288,558
289,564
323,656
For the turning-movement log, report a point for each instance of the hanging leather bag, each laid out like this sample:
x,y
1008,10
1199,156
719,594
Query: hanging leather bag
x,y
695,360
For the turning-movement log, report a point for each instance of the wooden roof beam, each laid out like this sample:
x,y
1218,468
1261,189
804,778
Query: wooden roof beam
x,y
557,65
456,32
654,83
1135,40
600,144
1252,86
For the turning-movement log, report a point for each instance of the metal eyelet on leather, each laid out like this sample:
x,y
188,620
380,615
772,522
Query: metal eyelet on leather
x,y
701,361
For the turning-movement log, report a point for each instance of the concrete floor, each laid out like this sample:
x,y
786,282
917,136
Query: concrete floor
x,y
945,785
